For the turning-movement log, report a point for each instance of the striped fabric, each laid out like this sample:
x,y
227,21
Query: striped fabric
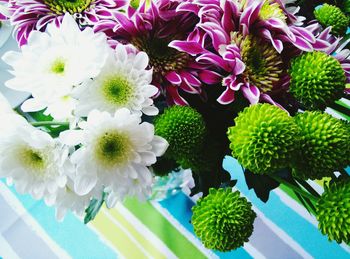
x,y
283,229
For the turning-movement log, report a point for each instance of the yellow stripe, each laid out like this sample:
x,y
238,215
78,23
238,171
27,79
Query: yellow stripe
x,y
147,245
117,237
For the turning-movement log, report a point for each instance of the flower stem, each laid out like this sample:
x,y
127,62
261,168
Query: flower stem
x,y
49,123
295,188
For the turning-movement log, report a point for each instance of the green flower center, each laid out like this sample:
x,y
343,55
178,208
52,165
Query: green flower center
x,y
112,149
263,63
70,6
162,58
271,10
117,90
57,67
32,159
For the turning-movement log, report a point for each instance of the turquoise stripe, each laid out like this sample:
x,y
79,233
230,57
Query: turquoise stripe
x,y
299,229
72,235
179,207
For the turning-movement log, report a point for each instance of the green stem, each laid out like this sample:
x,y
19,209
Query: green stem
x,y
49,123
295,188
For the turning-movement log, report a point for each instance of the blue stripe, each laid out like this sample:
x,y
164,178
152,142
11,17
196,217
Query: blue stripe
x,y
179,207
71,234
299,229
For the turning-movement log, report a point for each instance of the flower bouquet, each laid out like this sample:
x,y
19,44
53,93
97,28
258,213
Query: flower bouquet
x,y
126,92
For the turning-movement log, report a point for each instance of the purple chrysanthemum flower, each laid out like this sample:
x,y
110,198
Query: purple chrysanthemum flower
x,y
250,41
28,15
152,29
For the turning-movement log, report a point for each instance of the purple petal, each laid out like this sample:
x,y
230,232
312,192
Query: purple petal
x,y
228,96
173,78
210,77
190,47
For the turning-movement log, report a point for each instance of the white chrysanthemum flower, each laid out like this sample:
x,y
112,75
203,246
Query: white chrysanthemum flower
x,y
116,151
32,159
4,105
123,82
53,62
68,200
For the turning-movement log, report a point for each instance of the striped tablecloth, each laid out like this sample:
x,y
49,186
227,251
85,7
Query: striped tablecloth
x,y
283,229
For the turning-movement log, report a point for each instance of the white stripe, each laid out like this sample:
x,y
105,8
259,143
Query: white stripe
x,y
144,231
30,221
334,114
318,188
6,250
189,236
253,251
115,222
346,101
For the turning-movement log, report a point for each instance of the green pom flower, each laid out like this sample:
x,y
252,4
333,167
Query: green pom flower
x,y
264,138
330,15
317,80
183,128
223,220
324,145
333,212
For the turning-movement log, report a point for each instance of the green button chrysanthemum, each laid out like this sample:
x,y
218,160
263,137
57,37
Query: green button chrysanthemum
x,y
317,80
324,145
330,15
333,212
223,220
264,138
183,128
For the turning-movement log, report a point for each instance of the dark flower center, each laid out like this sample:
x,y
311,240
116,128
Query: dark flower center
x,y
162,58
70,6
263,63
112,149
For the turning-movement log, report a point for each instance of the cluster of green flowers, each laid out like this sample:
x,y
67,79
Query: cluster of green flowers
x,y
265,139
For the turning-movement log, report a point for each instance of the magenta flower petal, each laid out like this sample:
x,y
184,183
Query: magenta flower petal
x,y
210,77
228,96
191,47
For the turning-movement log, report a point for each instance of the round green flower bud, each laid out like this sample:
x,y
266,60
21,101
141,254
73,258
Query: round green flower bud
x,y
184,129
264,138
330,15
223,220
333,212
317,80
324,145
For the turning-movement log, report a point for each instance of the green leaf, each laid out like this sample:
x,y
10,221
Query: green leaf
x,y
94,208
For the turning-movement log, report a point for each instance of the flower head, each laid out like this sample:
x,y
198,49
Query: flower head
x,y
264,138
324,146
184,129
246,43
333,212
330,15
152,30
52,63
123,82
30,15
317,79
36,163
223,220
115,152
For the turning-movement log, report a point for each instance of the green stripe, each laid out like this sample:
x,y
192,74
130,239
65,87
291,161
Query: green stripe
x,y
116,237
142,240
161,227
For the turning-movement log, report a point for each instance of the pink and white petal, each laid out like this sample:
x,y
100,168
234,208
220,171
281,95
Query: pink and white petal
x,y
227,97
